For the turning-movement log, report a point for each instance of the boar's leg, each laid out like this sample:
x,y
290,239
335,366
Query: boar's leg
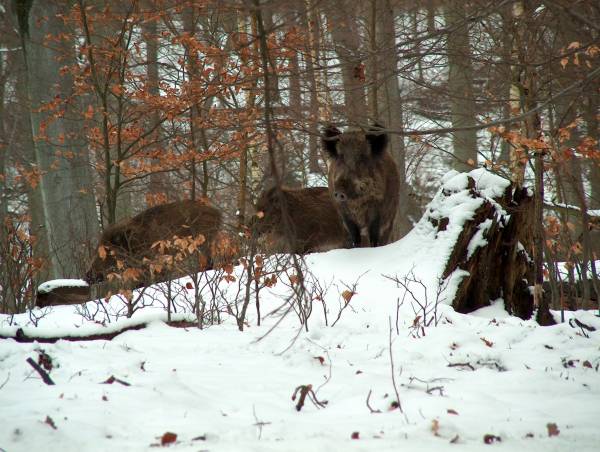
x,y
374,232
354,231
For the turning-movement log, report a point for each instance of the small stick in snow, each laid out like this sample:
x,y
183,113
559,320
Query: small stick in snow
x,y
306,390
5,381
259,424
436,388
369,405
112,379
45,377
392,366
428,389
461,365
328,378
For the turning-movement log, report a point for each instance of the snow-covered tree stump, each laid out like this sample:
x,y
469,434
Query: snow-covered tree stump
x,y
492,252
61,292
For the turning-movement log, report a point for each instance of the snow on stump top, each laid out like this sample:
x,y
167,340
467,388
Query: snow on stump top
x,y
490,223
62,291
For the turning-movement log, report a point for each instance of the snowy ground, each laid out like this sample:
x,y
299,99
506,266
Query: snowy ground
x,y
528,387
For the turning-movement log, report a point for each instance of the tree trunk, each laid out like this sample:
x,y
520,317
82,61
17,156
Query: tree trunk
x,y
390,106
341,18
69,209
460,85
37,229
593,130
157,183
315,86
532,143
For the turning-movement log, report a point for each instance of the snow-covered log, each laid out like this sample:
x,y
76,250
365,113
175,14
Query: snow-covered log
x,y
62,291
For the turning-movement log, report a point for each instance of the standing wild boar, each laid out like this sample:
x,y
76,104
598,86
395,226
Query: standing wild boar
x,y
130,241
313,221
363,182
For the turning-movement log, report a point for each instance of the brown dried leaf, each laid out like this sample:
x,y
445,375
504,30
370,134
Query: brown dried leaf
x,y
552,429
451,411
435,427
347,295
490,439
486,342
168,438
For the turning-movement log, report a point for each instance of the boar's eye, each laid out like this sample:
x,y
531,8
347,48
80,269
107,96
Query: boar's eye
x,y
361,187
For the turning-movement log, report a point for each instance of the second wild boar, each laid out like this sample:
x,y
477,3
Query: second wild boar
x,y
313,224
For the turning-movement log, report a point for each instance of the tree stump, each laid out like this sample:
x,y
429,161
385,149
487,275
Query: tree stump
x,y
494,249
62,293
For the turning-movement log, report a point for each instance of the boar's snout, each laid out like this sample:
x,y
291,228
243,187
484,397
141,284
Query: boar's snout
x,y
340,196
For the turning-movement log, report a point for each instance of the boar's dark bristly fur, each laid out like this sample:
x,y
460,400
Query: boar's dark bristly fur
x,y
131,240
363,182
313,222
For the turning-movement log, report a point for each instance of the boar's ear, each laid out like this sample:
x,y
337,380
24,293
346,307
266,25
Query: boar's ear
x,y
329,139
377,138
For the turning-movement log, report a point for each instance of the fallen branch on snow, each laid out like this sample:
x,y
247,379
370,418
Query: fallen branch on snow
x,y
21,336
306,390
45,377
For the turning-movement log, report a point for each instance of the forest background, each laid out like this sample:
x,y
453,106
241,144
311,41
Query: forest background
x,y
107,108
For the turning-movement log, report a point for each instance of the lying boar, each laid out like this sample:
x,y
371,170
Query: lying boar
x,y
130,241
363,182
313,222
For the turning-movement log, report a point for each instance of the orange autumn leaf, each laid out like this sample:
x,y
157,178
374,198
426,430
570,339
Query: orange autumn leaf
x,y
347,295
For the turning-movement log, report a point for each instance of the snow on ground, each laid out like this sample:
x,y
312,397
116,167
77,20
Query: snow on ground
x,y
220,389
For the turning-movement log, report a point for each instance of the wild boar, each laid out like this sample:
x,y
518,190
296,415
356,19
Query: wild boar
x,y
130,241
363,182
313,221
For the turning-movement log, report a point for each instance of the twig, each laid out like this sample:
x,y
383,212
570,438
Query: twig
x,y
306,390
436,388
5,381
45,377
112,379
369,404
328,359
392,366
259,424
461,365
352,290
429,390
